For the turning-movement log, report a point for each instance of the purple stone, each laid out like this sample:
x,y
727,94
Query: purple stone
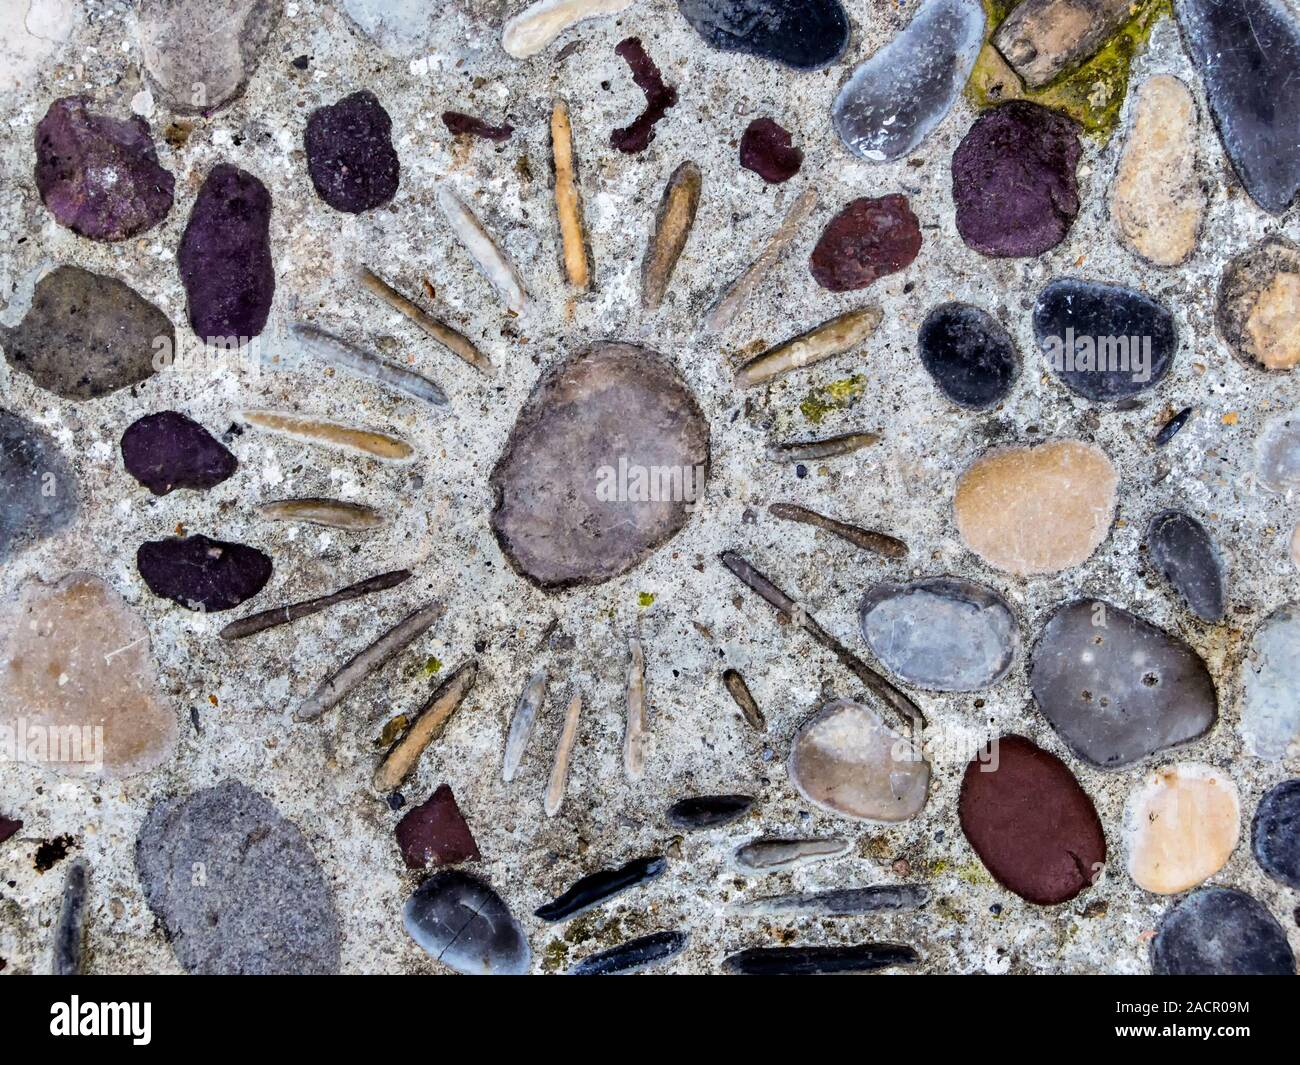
x,y
765,148
435,833
167,450
1013,180
350,153
100,176
8,827
225,257
202,574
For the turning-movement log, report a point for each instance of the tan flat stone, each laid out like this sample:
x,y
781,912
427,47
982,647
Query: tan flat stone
x,y
1180,826
1274,323
1258,308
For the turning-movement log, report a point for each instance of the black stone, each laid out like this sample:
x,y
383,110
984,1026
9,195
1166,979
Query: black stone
x,y
1275,833
600,887
1185,554
819,961
203,574
1220,932
971,357
167,450
804,34
632,956
350,154
1123,342
708,811
38,492
1174,426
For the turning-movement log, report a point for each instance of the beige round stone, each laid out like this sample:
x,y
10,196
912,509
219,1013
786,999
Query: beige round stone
x,y
847,760
1274,323
1039,509
1158,200
1258,306
1180,826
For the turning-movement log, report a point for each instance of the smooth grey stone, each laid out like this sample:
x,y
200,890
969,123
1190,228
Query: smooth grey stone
x,y
1278,451
819,961
38,491
70,932
632,956
896,98
970,355
941,633
804,34
1185,554
463,923
1247,53
842,902
1220,932
1270,713
708,811
1116,688
770,855
236,886
1275,833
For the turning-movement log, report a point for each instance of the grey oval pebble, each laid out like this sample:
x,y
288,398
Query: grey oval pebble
x,y
1221,932
1186,555
1275,833
464,924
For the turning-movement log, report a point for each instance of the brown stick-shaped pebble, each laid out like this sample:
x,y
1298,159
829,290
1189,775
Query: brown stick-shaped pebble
x,y
283,615
575,251
635,736
338,685
673,223
403,755
560,767
875,542
739,691
457,343
810,450
835,337
310,430
332,513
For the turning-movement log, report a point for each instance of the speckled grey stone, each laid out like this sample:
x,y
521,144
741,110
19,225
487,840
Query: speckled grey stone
x,y
1185,554
1278,451
1270,711
1275,833
463,923
1220,932
38,492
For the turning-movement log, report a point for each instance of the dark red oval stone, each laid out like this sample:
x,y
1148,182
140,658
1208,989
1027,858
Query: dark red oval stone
x,y
867,240
350,154
1013,180
766,149
1030,822
100,176
435,833
167,450
225,257
202,574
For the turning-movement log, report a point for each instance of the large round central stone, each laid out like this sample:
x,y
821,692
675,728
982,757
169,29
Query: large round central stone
x,y
608,457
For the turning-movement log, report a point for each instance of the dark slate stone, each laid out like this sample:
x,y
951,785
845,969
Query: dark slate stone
x,y
100,176
804,34
819,961
1174,426
971,357
87,335
1185,554
225,257
632,956
202,574
766,149
708,811
461,922
9,826
1247,53
1013,180
1275,833
867,240
435,833
1220,932
167,450
350,154
597,888
236,886
38,491
1116,688
1105,342
1031,823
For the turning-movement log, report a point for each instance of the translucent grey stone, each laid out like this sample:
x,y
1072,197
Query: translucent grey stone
x,y
1278,451
1270,713
1247,53
1221,932
941,633
1116,688
463,923
38,492
896,98
1184,552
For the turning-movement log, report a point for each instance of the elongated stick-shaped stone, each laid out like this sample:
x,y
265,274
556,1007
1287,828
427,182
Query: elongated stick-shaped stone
x,y
522,725
907,711
331,434
334,513
338,685
817,961
811,450
1043,39
335,351
875,542
485,252
738,293
831,338
773,855
600,887
575,251
563,749
673,223
283,615
457,343
739,691
632,956
70,932
403,756
635,736
843,902
540,23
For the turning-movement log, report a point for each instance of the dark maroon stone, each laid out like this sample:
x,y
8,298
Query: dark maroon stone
x,y
868,239
350,153
8,826
460,123
100,176
1013,180
202,574
435,833
167,450
765,148
225,257
658,98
